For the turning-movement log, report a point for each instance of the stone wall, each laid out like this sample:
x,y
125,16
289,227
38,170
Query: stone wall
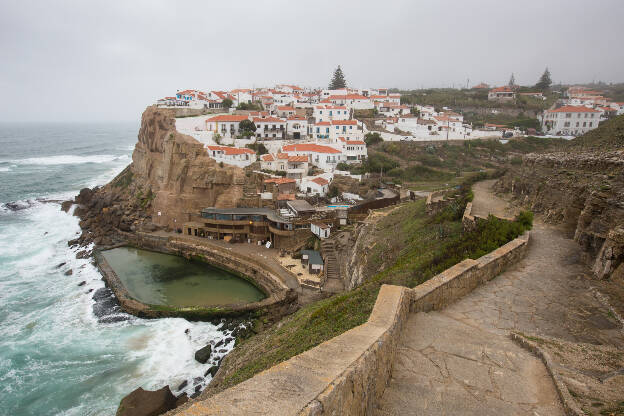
x,y
280,299
346,375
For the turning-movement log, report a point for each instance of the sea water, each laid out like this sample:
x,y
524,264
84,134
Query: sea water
x,y
55,357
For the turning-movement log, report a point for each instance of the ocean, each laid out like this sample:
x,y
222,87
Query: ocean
x,y
56,358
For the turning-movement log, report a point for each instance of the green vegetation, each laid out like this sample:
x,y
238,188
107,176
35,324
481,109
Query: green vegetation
x,y
465,99
259,148
544,82
414,246
124,179
338,80
247,128
250,106
608,136
372,138
227,103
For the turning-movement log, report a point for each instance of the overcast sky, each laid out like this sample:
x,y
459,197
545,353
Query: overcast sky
x,y
107,60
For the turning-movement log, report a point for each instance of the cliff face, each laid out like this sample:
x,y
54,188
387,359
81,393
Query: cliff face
x,y
584,190
171,178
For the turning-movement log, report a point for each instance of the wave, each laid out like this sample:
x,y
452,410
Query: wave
x,y
68,160
5,169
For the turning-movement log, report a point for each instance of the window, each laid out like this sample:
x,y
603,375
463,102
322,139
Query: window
x,y
584,124
568,115
566,124
590,123
577,124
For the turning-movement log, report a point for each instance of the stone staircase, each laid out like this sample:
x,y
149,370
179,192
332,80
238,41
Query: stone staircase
x,y
332,281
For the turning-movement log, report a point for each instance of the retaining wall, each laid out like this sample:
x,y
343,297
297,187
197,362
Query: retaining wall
x,y
347,375
280,299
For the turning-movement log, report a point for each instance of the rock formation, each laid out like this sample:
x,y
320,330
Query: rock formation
x,y
581,187
171,178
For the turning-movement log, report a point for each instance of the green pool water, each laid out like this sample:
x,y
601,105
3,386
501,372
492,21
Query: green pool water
x,y
163,279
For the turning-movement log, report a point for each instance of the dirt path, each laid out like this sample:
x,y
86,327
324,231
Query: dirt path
x,y
485,202
462,361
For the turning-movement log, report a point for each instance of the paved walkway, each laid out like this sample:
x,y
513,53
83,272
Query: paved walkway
x,y
461,360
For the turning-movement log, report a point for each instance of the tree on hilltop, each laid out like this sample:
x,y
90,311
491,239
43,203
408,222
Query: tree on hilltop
x,y
545,81
338,81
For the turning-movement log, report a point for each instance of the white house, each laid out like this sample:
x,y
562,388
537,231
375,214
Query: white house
x,y
295,167
227,125
505,93
344,128
314,185
570,120
297,127
236,156
324,157
354,101
270,127
320,229
285,111
330,112
353,150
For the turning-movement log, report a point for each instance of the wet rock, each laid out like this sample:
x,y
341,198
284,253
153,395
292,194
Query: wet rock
x,y
106,308
203,355
19,205
183,385
58,266
84,282
183,398
194,395
147,403
218,344
84,197
222,351
228,340
197,380
83,254
198,388
89,291
66,205
69,272
212,371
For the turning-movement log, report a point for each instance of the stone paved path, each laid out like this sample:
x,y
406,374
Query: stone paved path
x,y
461,360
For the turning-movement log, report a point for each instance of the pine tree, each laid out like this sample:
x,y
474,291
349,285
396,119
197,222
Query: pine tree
x,y
338,80
512,81
544,82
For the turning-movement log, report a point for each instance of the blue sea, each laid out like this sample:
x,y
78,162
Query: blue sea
x,y
55,357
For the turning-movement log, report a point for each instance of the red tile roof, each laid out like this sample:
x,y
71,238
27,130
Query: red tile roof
x,y
320,181
268,120
506,88
309,147
227,118
297,158
286,197
232,150
285,108
279,181
347,97
573,109
344,122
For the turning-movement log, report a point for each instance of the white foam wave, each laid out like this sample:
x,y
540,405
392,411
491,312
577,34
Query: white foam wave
x,y
68,160
5,169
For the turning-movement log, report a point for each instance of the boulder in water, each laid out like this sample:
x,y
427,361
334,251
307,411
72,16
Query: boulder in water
x,y
203,355
69,272
147,403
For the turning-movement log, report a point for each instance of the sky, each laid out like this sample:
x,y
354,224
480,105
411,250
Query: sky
x,y
91,60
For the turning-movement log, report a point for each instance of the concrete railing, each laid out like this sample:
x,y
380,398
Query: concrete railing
x,y
347,375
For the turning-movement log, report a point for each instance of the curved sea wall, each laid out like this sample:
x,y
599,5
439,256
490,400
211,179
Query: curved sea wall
x,y
280,299
347,375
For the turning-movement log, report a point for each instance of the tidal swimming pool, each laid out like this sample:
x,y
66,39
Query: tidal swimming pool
x,y
164,279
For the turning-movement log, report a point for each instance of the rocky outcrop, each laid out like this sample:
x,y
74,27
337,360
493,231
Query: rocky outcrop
x,y
171,178
147,403
583,190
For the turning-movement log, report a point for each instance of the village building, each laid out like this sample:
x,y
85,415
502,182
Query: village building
x,y
226,125
235,156
320,229
353,150
323,157
505,93
328,112
570,120
270,127
280,186
314,185
297,127
313,260
295,167
285,111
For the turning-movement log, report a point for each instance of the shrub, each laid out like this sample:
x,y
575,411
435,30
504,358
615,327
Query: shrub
x,y
372,138
525,218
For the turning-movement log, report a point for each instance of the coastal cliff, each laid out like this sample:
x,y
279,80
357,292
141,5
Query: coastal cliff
x,y
582,187
171,178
